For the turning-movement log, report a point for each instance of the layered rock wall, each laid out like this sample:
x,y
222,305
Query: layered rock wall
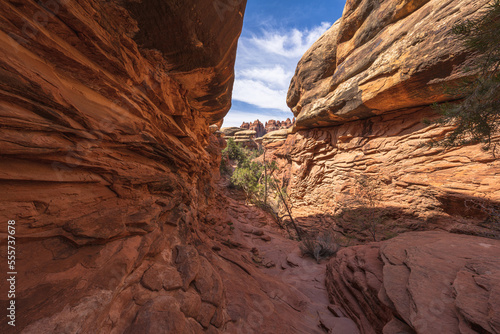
x,y
256,126
360,150
361,94
107,160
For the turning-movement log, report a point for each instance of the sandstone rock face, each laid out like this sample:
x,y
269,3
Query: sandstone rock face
x,y
246,138
420,282
277,135
273,125
381,56
419,187
229,132
107,159
256,126
360,95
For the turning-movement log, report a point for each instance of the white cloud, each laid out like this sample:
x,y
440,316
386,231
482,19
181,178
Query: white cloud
x,y
265,64
275,75
256,92
290,44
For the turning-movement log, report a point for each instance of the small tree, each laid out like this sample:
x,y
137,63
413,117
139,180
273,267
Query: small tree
x,y
246,177
234,151
477,115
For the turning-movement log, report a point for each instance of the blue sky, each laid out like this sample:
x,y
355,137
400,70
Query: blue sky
x,y
275,35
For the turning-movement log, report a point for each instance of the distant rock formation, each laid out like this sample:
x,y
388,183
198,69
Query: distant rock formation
x,y
230,131
276,135
246,138
273,125
256,126
270,125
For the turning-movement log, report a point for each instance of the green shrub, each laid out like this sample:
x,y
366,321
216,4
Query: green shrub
x,y
247,177
257,181
234,151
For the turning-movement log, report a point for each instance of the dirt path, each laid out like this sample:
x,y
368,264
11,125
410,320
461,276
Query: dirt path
x,y
269,286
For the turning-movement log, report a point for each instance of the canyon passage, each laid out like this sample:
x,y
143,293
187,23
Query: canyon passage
x,y
120,205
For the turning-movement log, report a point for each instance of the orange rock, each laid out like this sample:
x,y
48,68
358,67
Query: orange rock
x,y
422,282
108,161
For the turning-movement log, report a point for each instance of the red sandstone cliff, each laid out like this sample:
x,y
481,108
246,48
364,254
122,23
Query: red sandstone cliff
x,y
359,95
108,166
107,158
273,125
256,126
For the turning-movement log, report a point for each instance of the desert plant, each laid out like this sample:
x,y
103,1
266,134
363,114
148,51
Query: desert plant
x,y
246,177
257,180
323,245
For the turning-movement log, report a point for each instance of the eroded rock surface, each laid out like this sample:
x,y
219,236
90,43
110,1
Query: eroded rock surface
x,y
417,186
108,162
420,282
256,126
381,56
361,94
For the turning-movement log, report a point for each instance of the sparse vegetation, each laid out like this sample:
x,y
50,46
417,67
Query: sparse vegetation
x,y
322,246
258,182
477,115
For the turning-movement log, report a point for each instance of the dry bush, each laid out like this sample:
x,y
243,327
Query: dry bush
x,y
322,246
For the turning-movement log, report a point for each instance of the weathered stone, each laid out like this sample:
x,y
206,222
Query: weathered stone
x,y
256,126
207,311
433,282
193,327
360,95
188,262
161,315
190,302
151,279
274,136
219,317
209,283
229,132
104,131
381,57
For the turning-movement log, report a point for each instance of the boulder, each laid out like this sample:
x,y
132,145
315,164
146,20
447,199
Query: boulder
x,y
419,282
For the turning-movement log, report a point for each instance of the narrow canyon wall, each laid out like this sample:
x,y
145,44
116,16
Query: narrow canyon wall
x,y
360,96
107,161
